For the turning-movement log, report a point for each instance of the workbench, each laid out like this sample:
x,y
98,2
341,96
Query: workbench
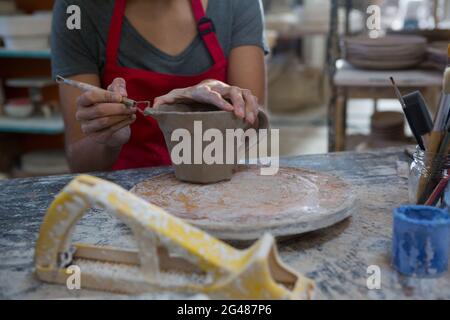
x,y
337,258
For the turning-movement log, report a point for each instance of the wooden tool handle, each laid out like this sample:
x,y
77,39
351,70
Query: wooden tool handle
x,y
88,87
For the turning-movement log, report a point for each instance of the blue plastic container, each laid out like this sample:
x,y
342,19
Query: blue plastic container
x,y
421,241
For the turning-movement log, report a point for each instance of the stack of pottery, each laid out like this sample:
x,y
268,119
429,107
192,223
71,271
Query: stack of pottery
x,y
437,54
387,126
386,53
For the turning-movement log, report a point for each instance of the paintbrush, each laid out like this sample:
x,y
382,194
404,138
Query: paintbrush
x,y
445,97
434,197
416,112
441,121
88,87
418,115
446,81
398,93
435,159
444,102
435,150
435,166
439,145
443,113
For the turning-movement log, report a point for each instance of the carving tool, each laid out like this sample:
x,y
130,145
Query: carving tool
x,y
167,249
88,87
416,113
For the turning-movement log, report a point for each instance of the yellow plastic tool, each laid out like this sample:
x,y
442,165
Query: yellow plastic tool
x,y
171,254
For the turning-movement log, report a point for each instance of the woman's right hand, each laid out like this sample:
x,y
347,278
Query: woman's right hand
x,y
103,118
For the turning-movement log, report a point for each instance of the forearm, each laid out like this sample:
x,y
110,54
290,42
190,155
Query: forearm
x,y
247,70
87,155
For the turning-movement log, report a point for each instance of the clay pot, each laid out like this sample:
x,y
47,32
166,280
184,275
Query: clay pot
x,y
180,116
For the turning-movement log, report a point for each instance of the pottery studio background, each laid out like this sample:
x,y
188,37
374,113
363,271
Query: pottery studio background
x,y
307,94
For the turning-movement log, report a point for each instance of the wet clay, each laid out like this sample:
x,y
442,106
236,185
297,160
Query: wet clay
x,y
181,116
292,202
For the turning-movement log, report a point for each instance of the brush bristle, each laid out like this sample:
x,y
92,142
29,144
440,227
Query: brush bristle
x,y
392,81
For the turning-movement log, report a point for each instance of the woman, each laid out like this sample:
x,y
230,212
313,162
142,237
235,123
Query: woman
x,y
165,51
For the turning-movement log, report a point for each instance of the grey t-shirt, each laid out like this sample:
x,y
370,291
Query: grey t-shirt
x,y
237,22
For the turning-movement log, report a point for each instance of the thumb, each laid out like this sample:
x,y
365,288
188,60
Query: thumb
x,y
119,85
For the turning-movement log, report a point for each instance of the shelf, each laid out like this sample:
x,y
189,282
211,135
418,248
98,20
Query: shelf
x,y
346,75
28,83
34,125
25,54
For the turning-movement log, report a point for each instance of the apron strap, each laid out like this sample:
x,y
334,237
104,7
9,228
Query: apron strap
x,y
205,28
115,32
207,31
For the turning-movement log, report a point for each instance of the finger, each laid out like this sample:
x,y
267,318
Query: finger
x,y
108,133
218,86
90,98
123,124
100,124
166,99
238,101
103,110
119,85
205,94
251,107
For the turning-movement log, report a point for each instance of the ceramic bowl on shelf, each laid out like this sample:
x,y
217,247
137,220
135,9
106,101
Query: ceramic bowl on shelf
x,y
385,53
18,108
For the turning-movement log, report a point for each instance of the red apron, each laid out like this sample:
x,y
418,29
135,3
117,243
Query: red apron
x,y
146,147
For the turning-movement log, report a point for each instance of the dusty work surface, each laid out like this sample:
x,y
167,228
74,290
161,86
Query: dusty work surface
x,y
337,257
292,202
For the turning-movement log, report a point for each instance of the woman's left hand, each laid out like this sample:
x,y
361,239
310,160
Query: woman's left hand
x,y
229,98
